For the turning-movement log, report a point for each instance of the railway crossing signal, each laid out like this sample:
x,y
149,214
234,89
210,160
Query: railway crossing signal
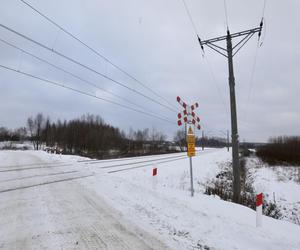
x,y
188,114
191,120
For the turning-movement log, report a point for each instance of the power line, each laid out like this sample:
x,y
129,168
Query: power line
x,y
86,67
67,72
209,65
251,82
264,9
216,84
95,51
226,14
84,93
190,17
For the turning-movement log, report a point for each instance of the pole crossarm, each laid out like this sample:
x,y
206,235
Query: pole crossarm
x,y
237,34
246,34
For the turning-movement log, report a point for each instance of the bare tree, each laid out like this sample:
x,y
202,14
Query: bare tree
x,y
180,139
35,127
30,125
39,123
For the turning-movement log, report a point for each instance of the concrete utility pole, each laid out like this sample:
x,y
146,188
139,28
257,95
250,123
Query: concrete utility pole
x,y
229,53
202,144
227,140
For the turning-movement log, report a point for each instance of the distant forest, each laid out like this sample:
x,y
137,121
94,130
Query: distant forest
x,y
91,136
283,150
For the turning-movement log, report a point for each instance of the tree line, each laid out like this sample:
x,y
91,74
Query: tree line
x,y
89,135
19,134
281,150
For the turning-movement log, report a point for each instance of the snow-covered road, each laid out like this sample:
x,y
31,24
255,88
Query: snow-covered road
x,y
44,206
69,202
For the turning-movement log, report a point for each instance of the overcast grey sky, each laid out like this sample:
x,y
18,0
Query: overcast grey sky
x,y
155,42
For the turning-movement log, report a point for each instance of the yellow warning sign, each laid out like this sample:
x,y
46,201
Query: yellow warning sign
x,y
190,139
190,131
191,149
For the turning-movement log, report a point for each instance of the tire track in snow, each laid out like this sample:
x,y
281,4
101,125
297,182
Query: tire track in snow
x,y
41,166
137,162
33,164
44,183
38,175
146,165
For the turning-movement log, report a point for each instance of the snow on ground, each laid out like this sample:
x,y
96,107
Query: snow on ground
x,y
43,205
279,183
122,193
15,145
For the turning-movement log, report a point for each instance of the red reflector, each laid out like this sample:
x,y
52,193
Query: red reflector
x,y
194,121
178,99
179,116
185,119
154,171
179,123
259,199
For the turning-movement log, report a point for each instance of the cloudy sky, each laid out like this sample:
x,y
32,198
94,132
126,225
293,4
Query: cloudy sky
x,y
155,42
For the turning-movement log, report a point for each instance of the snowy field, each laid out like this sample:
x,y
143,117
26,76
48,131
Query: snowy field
x,y
280,184
68,202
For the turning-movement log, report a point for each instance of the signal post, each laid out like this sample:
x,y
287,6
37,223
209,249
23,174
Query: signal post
x,y
191,121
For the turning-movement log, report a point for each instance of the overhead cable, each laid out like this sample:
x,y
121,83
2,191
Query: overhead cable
x,y
251,81
209,66
84,93
190,17
68,72
226,14
86,67
96,52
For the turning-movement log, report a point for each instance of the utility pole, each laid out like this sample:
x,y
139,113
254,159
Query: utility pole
x,y
227,140
202,140
229,52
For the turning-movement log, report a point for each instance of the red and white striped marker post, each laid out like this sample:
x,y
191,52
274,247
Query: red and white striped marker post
x,y
259,203
154,178
154,171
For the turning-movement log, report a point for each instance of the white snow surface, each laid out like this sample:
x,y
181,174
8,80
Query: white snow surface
x,y
280,184
62,202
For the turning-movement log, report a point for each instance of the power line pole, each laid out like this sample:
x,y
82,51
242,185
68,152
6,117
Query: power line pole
x,y
227,140
229,52
202,140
